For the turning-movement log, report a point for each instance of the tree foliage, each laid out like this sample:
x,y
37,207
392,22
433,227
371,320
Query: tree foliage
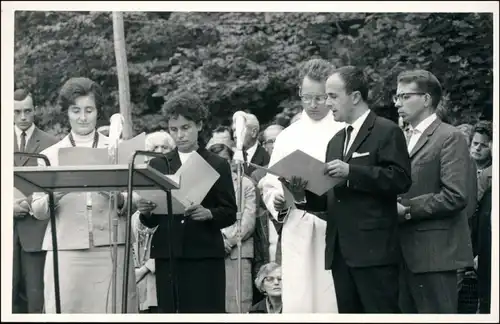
x,y
249,61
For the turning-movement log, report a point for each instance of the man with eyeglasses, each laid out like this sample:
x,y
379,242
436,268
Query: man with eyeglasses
x,y
307,286
433,223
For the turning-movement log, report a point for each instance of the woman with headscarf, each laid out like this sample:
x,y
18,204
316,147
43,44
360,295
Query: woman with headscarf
x,y
83,218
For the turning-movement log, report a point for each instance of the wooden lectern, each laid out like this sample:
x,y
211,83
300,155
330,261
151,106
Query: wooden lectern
x,y
90,178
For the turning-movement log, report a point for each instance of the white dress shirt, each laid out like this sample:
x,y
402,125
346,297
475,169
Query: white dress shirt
x,y
356,126
418,130
29,132
184,156
251,151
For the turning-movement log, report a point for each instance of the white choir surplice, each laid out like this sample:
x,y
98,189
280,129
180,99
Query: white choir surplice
x,y
307,287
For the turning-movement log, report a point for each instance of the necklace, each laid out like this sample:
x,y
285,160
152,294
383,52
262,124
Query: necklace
x,y
94,144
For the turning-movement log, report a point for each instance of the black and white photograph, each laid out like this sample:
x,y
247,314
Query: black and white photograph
x,y
316,160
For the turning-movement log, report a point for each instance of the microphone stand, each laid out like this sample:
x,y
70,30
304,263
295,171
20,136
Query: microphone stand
x,y
55,257
129,229
114,241
238,158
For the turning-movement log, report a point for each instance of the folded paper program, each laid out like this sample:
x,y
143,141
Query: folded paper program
x,y
195,177
308,168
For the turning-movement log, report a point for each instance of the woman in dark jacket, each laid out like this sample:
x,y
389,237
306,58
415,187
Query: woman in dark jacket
x,y
188,248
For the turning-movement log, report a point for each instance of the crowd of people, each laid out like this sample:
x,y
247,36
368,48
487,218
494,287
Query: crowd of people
x,y
407,220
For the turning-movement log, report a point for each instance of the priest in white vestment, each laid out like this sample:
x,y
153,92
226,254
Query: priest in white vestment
x,y
307,286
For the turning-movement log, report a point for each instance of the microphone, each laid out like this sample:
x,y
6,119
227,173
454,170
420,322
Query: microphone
x,y
115,127
239,122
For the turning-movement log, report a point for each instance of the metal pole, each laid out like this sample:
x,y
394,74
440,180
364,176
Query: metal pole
x,y
114,285
55,255
238,234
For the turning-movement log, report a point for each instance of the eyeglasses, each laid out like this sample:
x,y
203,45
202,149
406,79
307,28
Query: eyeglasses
x,y
272,279
406,95
309,98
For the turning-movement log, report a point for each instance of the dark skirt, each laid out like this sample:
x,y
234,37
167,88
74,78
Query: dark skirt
x,y
200,285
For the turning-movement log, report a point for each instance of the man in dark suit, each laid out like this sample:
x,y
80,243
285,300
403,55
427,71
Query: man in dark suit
x,y
29,259
252,150
370,157
433,221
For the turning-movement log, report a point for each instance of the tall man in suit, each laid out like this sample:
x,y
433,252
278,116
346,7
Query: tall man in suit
x,y
433,227
370,157
252,150
29,259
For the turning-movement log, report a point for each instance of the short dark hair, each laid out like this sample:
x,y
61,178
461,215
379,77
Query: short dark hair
x,y
78,87
222,129
315,69
485,128
425,81
354,80
217,148
187,105
21,94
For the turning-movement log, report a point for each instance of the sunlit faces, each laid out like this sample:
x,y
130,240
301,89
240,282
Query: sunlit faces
x,y
272,283
313,98
412,103
338,100
24,113
83,115
185,133
480,147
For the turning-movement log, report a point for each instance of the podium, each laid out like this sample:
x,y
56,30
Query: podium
x,y
91,178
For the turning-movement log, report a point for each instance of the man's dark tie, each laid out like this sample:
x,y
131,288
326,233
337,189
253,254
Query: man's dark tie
x,y
348,132
23,142
245,159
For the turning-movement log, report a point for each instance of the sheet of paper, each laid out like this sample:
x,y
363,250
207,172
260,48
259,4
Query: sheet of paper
x,y
159,197
197,177
127,148
18,194
83,156
303,165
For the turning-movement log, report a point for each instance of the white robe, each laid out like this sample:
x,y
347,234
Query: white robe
x,y
307,286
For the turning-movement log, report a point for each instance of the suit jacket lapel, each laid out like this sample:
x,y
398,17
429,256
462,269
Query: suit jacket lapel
x,y
257,157
364,131
174,161
33,143
425,137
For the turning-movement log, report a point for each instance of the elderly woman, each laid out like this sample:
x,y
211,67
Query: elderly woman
x,y
83,218
188,248
160,142
268,281
222,147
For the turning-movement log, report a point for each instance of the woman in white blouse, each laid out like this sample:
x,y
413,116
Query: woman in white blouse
x,y
83,219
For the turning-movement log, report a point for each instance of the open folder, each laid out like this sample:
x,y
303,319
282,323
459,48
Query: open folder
x,y
308,168
100,156
196,177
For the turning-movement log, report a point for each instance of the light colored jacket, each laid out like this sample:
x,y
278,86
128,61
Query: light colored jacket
x,y
249,211
72,225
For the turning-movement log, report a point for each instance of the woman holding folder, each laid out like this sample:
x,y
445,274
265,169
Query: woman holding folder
x,y
188,248
83,218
